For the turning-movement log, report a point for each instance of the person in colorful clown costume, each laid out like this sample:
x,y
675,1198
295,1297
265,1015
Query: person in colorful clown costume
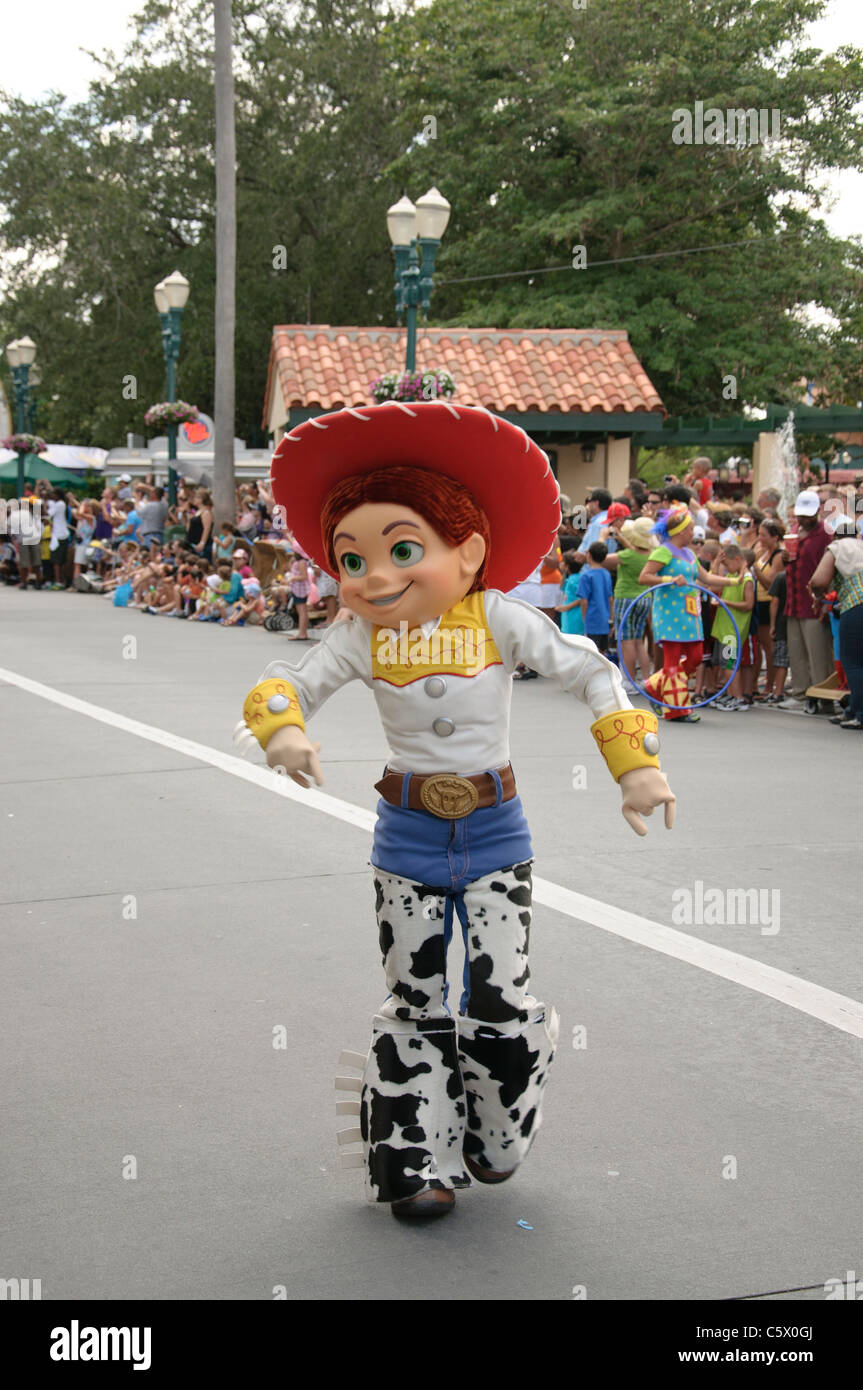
x,y
427,514
676,611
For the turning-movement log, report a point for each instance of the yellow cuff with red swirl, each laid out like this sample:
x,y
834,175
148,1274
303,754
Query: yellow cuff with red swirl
x,y
627,739
270,706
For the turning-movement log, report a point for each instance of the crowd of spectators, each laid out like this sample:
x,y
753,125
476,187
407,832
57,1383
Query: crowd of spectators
x,y
795,591
796,587
169,561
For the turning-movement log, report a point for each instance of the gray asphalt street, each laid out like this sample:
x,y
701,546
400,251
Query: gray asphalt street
x,y
162,920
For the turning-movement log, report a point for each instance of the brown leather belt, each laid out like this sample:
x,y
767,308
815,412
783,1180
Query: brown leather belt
x,y
446,794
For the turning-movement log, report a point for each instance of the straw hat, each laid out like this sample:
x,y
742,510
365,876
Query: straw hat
x,y
638,533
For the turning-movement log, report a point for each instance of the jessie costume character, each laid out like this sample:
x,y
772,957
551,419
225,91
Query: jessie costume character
x,y
427,514
676,613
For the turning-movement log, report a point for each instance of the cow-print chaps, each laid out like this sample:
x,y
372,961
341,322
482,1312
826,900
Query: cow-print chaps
x,y
435,1087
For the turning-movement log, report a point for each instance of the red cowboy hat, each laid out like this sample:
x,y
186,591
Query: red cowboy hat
x,y
504,471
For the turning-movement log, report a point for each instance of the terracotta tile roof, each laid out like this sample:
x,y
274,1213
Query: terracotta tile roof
x,y
578,370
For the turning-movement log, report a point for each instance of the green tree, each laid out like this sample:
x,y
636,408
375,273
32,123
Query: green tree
x,y
555,125
553,131
101,199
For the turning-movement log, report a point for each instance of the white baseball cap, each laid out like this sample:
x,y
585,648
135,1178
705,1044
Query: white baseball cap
x,y
807,504
699,533
125,477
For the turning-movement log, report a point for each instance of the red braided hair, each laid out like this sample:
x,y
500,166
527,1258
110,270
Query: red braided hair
x,y
446,505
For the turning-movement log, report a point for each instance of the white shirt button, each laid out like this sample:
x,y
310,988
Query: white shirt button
x,y
435,686
277,703
444,727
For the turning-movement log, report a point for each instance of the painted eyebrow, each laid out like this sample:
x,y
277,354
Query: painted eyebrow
x,y
393,525
347,535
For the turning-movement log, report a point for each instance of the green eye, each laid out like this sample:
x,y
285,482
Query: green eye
x,y
406,553
352,563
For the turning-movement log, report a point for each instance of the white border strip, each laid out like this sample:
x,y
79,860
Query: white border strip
x,y
836,1010
225,762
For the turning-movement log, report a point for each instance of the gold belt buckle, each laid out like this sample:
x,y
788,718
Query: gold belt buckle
x,y
449,796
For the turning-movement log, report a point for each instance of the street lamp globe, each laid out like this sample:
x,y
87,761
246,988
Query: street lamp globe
x,y
176,290
13,354
161,298
402,222
26,351
432,214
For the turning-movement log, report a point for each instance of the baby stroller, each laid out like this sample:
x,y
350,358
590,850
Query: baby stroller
x,y
283,619
268,563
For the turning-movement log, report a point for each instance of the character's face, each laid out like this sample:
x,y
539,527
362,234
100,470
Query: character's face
x,y
394,567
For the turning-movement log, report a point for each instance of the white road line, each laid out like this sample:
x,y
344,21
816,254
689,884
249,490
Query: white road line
x,y
225,762
836,1010
825,1004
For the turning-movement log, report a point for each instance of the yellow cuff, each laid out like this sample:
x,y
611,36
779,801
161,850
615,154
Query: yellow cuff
x,y
270,706
627,739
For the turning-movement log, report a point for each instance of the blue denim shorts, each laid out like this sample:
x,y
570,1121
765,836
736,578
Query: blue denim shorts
x,y
449,854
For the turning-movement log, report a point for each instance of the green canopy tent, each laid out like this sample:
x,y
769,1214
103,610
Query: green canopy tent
x,y
36,468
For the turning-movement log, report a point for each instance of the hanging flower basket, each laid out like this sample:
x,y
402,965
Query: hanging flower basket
x,y
171,413
24,444
412,386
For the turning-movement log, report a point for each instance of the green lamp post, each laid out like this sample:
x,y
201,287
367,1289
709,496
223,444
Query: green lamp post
x,y
33,407
20,355
415,229
170,295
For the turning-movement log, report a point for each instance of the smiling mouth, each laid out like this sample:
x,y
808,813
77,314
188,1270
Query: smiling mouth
x,y
390,598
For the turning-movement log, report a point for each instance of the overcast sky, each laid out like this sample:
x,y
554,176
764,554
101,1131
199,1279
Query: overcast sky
x,y
42,42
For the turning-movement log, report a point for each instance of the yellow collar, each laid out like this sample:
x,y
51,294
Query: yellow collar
x,y
458,644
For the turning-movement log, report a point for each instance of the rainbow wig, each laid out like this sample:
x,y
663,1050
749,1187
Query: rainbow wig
x,y
670,522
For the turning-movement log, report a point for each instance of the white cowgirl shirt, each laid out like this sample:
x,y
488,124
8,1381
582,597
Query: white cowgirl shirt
x,y
443,690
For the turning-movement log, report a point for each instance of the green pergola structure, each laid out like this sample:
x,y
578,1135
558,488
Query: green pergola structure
x,y
650,430
576,423
684,431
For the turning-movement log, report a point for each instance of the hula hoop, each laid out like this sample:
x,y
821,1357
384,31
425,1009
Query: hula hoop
x,y
640,689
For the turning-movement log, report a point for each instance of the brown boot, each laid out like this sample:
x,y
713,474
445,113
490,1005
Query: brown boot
x,y
435,1201
485,1174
